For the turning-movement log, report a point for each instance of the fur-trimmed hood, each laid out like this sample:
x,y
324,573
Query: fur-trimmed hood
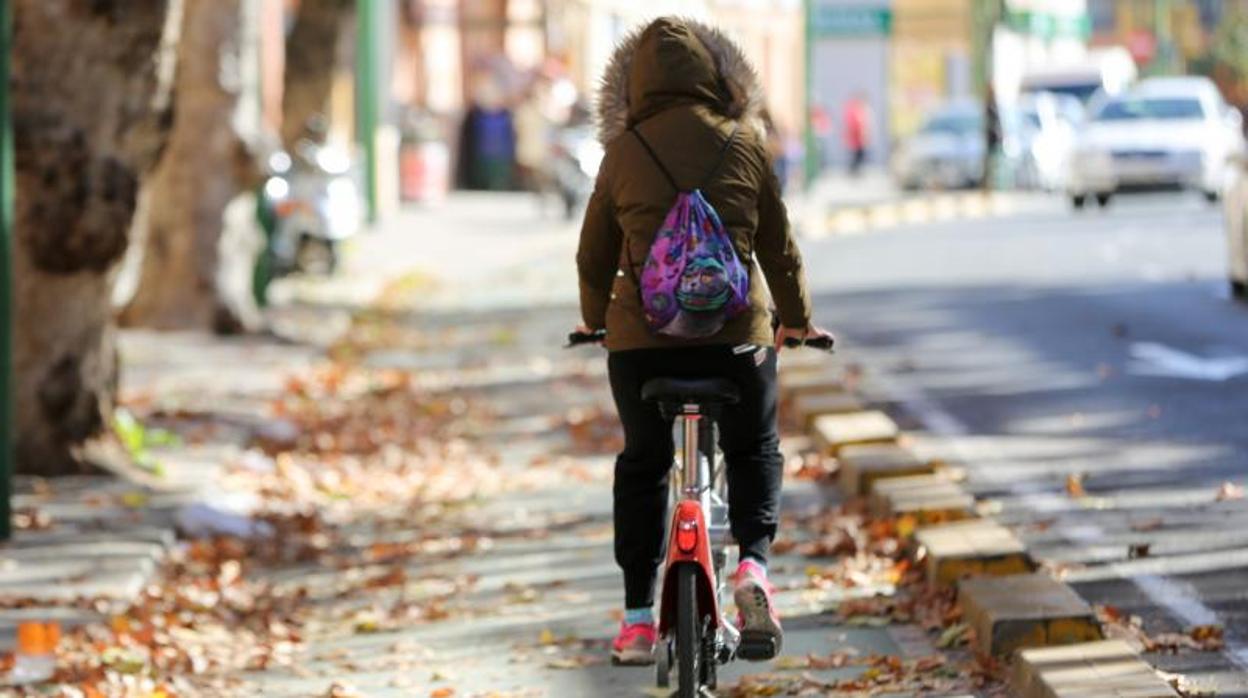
x,y
670,61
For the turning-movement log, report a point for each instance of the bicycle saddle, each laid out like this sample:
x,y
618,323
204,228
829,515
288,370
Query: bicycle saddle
x,y
697,390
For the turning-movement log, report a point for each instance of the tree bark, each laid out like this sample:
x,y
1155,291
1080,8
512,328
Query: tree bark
x,y
89,91
311,55
178,252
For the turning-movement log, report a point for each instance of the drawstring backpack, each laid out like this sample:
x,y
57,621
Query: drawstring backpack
x,y
692,281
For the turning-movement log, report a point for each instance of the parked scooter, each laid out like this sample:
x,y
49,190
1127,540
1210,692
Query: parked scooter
x,y
316,205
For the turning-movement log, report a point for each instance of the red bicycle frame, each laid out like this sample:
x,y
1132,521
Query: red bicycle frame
x,y
688,544
689,539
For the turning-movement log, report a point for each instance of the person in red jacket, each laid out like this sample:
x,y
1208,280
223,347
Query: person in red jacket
x,y
857,119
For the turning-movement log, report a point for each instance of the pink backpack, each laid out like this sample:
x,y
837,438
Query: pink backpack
x,y
693,281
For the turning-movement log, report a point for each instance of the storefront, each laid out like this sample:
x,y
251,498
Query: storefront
x,y
844,34
931,59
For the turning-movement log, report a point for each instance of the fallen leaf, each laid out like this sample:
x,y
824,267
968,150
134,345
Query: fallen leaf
x,y
1210,638
868,621
1230,491
791,662
342,690
1111,613
906,525
1074,485
953,636
577,661
931,663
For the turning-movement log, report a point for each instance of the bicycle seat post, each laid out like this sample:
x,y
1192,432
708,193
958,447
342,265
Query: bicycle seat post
x,y
691,416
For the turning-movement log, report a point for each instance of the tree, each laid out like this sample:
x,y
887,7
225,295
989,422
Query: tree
x,y
179,256
311,56
1228,54
90,98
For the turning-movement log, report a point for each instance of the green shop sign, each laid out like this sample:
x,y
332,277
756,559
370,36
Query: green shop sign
x,y
850,20
1048,25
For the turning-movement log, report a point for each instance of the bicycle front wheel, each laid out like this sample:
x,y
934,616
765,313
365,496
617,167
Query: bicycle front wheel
x,y
688,632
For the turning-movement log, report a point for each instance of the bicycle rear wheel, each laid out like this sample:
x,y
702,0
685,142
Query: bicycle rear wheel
x,y
688,632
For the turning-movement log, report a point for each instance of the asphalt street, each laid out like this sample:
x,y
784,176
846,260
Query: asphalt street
x,y
1026,349
1100,345
541,600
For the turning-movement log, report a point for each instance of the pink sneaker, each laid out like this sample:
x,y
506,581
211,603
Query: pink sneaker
x,y
761,635
634,646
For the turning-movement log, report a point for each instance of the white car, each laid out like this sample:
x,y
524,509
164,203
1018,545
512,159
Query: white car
x,y
947,152
1164,133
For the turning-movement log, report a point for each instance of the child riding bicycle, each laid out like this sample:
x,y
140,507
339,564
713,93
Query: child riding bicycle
x,y
683,291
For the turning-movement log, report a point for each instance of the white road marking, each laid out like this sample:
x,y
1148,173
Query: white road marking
x,y
1177,597
1153,359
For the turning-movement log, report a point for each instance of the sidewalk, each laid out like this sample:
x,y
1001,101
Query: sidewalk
x,y
425,477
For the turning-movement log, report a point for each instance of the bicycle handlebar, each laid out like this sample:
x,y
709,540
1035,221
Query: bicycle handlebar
x,y
825,343
576,339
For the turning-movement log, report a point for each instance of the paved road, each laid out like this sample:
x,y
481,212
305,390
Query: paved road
x,y
540,604
1100,344
1024,347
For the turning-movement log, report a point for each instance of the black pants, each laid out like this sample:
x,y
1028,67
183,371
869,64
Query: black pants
x,y
858,157
748,438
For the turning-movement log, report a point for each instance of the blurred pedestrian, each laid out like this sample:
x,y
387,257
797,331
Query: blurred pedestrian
x,y
821,126
678,112
992,139
487,144
857,120
776,148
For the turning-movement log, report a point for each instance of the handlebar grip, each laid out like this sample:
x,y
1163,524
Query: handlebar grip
x,y
823,343
576,339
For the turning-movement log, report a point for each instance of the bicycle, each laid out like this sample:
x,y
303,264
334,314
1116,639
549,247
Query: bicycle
x,y
695,636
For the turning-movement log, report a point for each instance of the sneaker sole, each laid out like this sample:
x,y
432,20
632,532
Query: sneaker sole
x,y
758,627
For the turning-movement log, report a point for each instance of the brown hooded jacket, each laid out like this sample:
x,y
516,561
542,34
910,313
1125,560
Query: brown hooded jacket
x,y
685,87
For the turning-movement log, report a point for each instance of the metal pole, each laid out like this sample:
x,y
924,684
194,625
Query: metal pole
x,y
1164,34
7,430
810,159
366,48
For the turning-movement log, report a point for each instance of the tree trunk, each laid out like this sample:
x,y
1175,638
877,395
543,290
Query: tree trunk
x,y
311,55
178,252
90,115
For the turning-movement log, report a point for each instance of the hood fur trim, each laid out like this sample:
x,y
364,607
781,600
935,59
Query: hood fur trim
x,y
746,100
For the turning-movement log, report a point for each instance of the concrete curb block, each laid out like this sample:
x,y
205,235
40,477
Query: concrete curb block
x,y
1087,670
915,209
1023,611
833,432
811,382
971,548
928,499
1010,604
862,465
812,405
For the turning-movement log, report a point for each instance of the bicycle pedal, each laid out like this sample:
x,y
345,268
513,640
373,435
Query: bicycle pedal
x,y
757,647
